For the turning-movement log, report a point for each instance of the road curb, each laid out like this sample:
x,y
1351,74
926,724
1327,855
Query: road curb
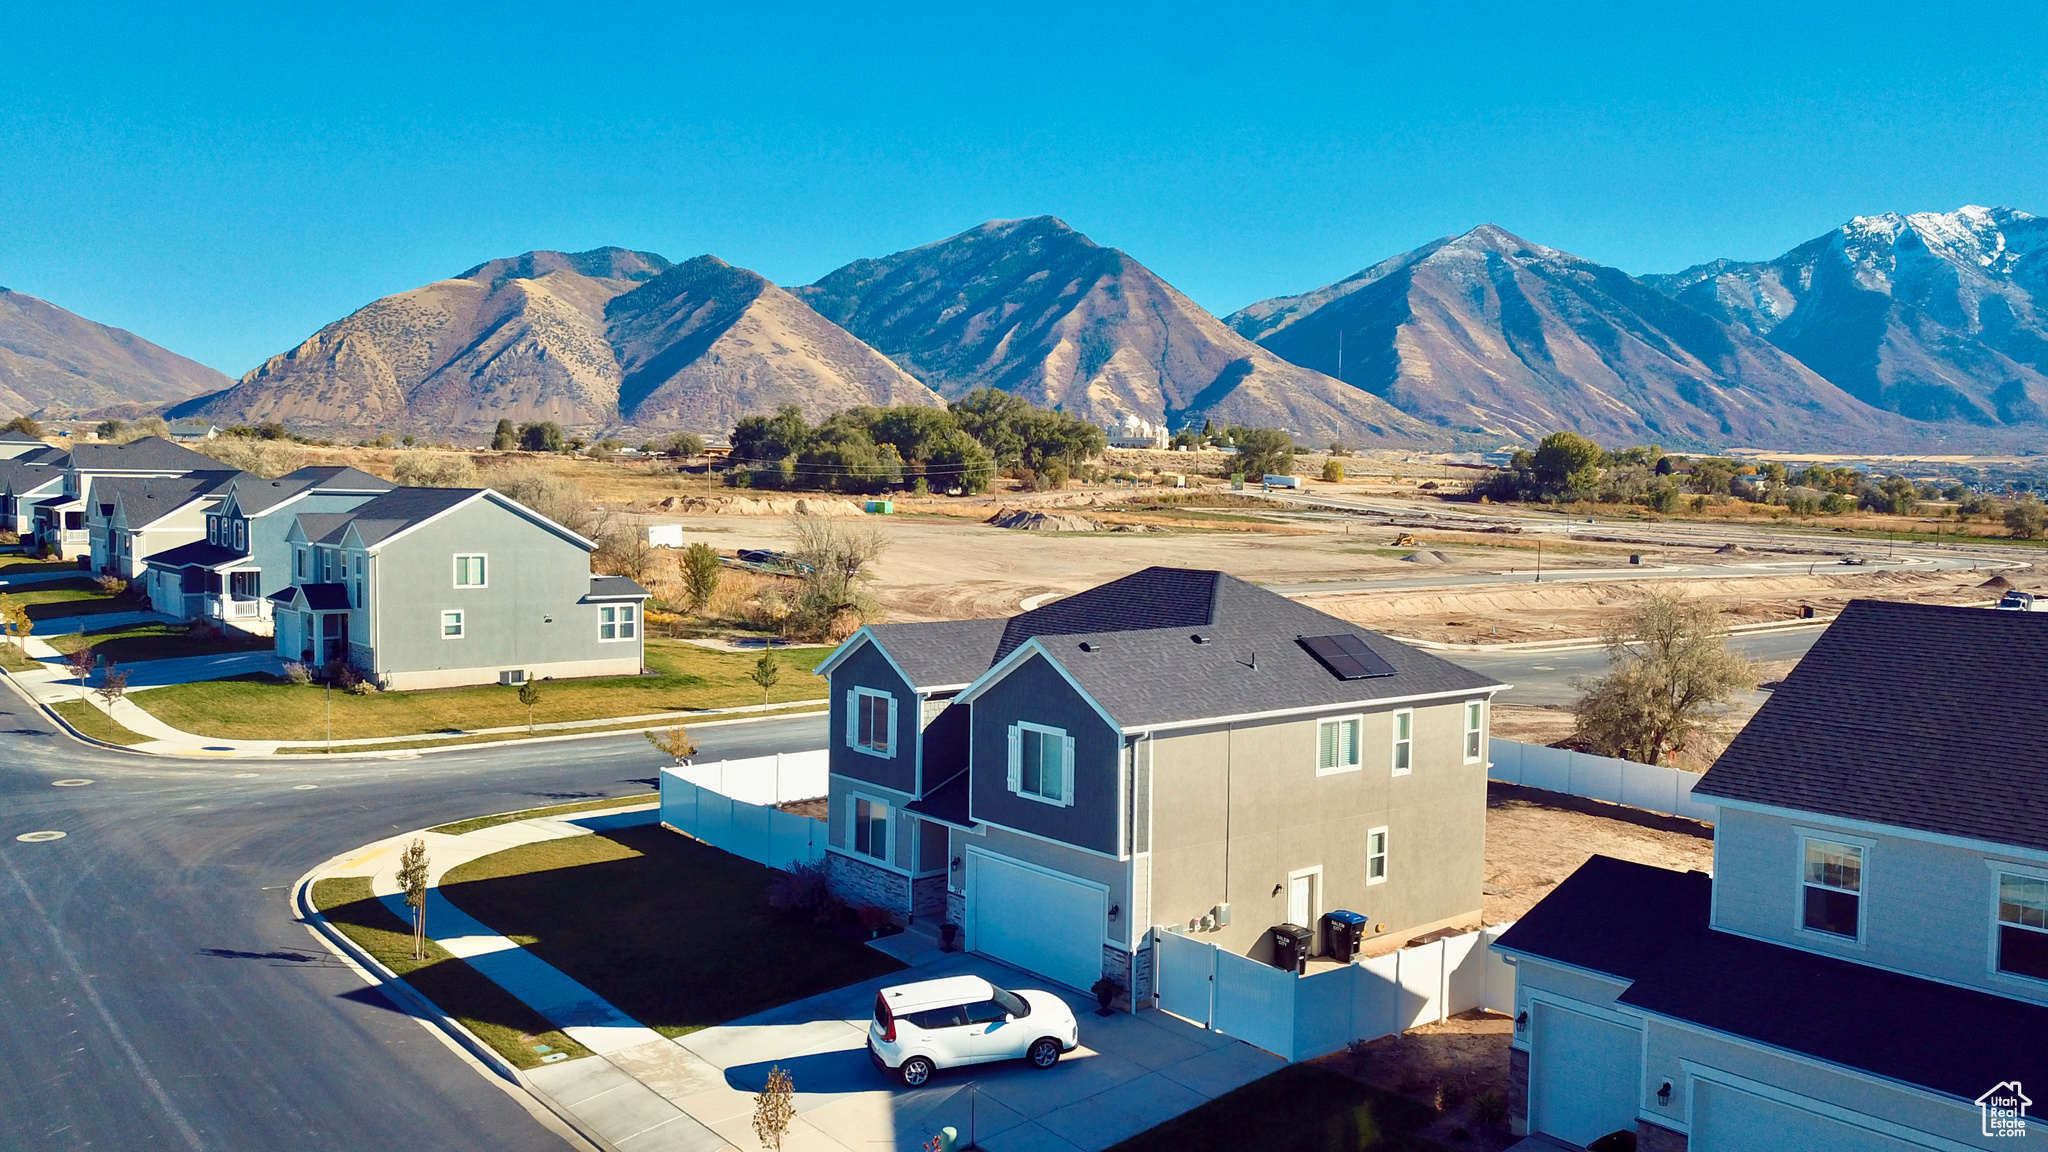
x,y
549,739
412,1003
64,725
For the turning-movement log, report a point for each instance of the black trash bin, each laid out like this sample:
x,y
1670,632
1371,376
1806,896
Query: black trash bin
x,y
1342,932
1291,946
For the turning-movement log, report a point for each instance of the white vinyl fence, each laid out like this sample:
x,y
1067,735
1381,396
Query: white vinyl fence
x,y
729,805
1646,786
1302,1017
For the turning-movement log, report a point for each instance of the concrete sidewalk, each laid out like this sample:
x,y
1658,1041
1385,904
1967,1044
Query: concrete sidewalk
x,y
695,1093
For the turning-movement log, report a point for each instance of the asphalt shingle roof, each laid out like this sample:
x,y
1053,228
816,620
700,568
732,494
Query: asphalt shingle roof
x,y
386,516
1952,1040
1613,916
340,478
150,498
1915,715
1650,926
1143,665
149,454
197,554
318,526
616,588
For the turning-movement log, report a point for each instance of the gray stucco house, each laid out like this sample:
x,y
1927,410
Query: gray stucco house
x,y
1176,748
130,519
1867,967
439,587
232,555
59,520
28,474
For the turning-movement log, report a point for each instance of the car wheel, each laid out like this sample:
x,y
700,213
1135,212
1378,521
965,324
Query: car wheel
x,y
1044,1053
915,1071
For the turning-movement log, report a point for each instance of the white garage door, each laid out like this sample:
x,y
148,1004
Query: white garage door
x,y
1728,1119
1035,920
1584,1075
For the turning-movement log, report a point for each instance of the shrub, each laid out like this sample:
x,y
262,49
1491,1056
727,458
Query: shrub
x,y
1449,1095
801,889
297,673
360,687
1489,1110
873,917
1333,471
111,584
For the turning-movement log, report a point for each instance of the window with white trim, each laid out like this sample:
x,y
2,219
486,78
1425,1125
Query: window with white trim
x,y
617,622
871,722
1042,763
1832,888
1475,711
213,529
1404,742
2023,925
870,828
1376,856
469,572
302,563
1338,745
451,625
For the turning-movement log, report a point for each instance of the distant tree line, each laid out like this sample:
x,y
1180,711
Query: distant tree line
x,y
871,450
1568,468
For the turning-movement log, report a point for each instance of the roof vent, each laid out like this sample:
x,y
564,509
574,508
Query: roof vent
x,y
1346,656
1199,638
1090,646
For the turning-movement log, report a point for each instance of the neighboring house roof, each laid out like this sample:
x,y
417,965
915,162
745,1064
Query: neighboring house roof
x,y
1650,926
338,478
616,588
16,436
148,499
1952,1040
254,495
150,454
1613,916
317,526
315,597
30,470
395,511
1913,715
198,554
1130,646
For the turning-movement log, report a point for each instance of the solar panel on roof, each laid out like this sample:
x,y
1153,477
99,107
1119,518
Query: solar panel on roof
x,y
1346,656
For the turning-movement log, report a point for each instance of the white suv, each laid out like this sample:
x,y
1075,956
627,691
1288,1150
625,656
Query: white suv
x,y
933,1024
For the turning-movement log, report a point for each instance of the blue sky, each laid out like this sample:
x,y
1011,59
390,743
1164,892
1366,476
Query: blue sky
x,y
225,181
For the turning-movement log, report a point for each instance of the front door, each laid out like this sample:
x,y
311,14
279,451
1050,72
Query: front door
x,y
333,637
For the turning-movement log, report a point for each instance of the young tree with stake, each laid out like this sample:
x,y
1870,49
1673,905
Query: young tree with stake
x,y
766,672
412,879
81,664
14,618
529,695
674,741
774,1108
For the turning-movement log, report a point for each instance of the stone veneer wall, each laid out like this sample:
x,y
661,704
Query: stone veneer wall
x,y
858,883
1143,994
956,909
1518,1091
928,899
1657,1138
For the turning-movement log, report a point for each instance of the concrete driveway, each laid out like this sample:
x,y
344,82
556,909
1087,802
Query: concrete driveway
x,y
1130,1073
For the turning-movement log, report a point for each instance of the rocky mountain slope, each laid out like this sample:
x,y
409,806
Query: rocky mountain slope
x,y
1489,332
54,362
1036,308
1938,316
607,339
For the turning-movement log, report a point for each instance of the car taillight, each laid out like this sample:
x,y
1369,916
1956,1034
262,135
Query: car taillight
x,y
885,1018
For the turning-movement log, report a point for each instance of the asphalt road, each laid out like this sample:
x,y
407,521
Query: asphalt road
x,y
159,994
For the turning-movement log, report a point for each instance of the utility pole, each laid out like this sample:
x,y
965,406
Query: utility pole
x,y
1340,355
1539,563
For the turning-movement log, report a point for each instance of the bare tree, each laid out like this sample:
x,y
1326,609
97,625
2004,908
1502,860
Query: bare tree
x,y
113,685
833,560
774,1108
412,878
81,661
1669,667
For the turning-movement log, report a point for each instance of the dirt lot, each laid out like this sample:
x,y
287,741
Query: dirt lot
x,y
1449,1066
1535,839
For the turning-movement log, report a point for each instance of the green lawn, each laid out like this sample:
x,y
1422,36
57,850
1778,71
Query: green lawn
x,y
477,823
675,933
12,659
80,597
97,724
158,642
498,1018
1301,1108
19,565
686,677
500,737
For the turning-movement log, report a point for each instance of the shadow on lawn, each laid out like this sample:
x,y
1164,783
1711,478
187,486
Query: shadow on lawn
x,y
675,933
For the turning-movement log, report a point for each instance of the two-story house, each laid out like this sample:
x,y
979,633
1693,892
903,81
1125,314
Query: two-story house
x,y
59,520
1867,967
231,564
32,474
130,519
439,587
1175,748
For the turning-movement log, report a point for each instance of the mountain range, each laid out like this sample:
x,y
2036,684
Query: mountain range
x,y
1890,333
54,362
